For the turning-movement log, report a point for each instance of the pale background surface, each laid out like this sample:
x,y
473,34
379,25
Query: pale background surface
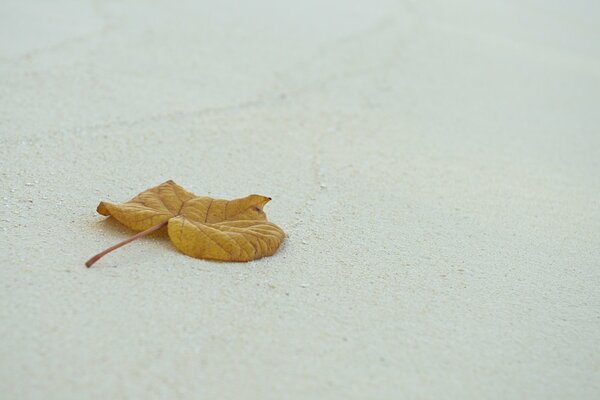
x,y
437,168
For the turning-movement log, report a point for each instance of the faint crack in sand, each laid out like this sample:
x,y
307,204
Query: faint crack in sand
x,y
107,22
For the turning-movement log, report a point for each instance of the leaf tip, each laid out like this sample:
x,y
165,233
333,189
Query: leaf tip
x,y
102,210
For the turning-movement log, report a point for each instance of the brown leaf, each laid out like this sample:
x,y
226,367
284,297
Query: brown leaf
x,y
201,227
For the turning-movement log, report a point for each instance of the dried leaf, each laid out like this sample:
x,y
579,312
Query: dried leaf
x,y
201,227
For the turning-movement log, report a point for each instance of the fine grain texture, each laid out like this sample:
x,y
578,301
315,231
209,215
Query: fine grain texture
x,y
435,165
202,227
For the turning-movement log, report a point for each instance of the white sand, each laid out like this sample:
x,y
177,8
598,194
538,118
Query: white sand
x,y
437,167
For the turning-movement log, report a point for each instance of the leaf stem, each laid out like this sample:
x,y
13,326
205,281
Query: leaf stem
x,y
98,256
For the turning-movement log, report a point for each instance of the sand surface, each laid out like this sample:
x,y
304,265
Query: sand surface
x,y
435,164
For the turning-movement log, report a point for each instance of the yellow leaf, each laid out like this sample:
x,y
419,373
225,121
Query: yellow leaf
x,y
201,227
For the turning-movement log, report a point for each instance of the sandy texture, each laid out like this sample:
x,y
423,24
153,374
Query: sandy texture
x,y
436,165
